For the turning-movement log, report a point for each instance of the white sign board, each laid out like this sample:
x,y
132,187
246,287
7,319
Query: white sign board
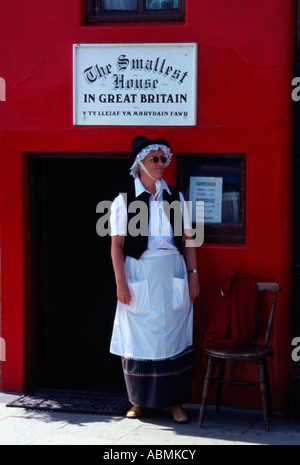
x,y
135,84
209,191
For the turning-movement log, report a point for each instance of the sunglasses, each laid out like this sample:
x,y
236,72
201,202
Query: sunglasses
x,y
156,159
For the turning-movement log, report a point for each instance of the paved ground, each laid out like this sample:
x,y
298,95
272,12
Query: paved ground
x,y
231,427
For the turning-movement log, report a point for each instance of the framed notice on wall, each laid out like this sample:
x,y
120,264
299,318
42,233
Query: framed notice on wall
x,y
209,191
135,84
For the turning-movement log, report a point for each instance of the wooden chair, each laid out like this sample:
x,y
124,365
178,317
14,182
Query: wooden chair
x,y
252,352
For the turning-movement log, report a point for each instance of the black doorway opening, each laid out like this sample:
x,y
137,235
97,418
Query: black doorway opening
x,y
73,287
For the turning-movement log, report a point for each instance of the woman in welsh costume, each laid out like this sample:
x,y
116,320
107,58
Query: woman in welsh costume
x,y
157,281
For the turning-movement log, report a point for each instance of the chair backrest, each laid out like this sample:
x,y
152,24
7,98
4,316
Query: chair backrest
x,y
272,287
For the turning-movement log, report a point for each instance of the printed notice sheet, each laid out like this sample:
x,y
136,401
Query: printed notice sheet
x,y
209,191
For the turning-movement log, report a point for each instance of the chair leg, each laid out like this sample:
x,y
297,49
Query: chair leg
x,y
268,389
220,385
205,390
263,393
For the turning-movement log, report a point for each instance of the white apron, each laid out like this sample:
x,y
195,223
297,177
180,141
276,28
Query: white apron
x,y
158,323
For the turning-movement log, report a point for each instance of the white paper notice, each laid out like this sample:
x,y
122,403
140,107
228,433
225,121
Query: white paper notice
x,y
209,191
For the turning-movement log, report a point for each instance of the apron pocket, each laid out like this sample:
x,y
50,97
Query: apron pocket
x,y
139,297
180,293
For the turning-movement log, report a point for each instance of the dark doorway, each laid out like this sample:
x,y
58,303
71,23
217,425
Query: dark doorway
x,y
73,287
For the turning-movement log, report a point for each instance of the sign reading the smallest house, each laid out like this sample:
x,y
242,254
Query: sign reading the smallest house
x,y
135,84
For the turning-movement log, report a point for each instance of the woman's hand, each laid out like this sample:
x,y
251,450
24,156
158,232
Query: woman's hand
x,y
123,293
194,287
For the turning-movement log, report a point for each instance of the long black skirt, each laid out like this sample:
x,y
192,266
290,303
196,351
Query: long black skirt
x,y
159,383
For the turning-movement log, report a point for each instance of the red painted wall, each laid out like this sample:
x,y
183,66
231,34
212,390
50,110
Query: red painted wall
x,y
245,53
